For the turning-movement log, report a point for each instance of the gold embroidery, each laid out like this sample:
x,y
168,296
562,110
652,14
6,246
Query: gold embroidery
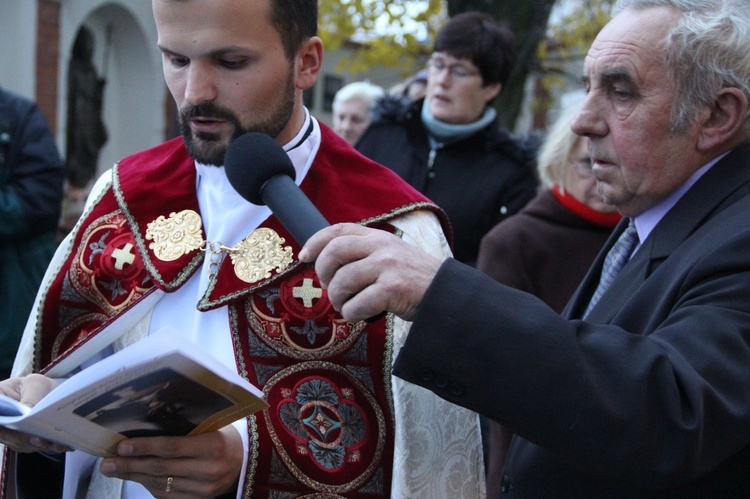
x,y
258,254
254,258
175,236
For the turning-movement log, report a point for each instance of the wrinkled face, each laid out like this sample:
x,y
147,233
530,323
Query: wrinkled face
x,y
637,160
225,66
455,90
350,119
579,179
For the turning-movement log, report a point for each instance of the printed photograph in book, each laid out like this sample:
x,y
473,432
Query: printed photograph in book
x,y
160,403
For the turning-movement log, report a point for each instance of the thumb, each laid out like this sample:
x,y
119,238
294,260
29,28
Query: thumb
x,y
34,388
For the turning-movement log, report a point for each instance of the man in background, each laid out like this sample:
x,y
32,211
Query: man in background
x,y
31,190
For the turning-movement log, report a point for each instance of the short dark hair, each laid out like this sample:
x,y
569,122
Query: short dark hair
x,y
478,37
296,21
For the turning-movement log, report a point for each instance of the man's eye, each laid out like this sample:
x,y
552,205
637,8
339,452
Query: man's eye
x,y
178,61
621,94
232,63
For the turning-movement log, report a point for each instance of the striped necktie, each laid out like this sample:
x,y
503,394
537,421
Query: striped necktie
x,y
616,259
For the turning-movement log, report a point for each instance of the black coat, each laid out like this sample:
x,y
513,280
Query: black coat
x,y
646,398
31,190
478,181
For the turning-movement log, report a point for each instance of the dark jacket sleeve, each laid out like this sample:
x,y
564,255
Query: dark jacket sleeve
x,y
659,408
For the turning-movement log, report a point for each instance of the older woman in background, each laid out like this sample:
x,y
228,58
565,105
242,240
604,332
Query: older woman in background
x,y
352,109
548,246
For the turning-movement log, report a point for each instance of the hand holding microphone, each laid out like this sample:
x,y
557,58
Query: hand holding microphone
x,y
261,172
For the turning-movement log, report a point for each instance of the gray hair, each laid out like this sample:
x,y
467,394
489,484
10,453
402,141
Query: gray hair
x,y
707,50
359,90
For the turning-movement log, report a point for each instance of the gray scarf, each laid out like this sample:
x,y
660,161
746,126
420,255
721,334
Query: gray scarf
x,y
441,132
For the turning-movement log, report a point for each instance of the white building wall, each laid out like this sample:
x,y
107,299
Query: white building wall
x,y
17,46
135,93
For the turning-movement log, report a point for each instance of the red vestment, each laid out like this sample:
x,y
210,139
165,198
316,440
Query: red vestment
x,y
330,425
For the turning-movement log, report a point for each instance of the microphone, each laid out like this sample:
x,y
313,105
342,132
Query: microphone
x,y
260,171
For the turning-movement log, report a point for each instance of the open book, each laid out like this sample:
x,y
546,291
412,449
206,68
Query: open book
x,y
157,386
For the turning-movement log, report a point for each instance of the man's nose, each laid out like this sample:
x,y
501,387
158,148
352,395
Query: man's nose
x,y
589,122
200,86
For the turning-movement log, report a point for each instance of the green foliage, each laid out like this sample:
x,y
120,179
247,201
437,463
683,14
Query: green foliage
x,y
387,31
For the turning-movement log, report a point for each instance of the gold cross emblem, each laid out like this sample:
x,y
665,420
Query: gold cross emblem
x,y
307,292
123,256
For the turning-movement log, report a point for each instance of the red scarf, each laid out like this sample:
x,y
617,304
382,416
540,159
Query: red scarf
x,y
585,211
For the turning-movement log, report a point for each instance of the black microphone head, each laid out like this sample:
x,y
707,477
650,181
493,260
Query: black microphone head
x,y
252,160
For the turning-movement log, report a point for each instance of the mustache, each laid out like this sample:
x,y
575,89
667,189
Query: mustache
x,y
206,110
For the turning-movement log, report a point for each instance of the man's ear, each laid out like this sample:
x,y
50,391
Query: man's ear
x,y
723,122
309,62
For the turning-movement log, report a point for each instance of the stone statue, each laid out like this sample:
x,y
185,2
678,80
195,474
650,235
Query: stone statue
x,y
86,133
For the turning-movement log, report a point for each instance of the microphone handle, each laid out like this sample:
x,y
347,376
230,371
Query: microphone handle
x,y
293,209
295,212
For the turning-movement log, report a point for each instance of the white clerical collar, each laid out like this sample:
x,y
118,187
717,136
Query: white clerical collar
x,y
229,218
303,148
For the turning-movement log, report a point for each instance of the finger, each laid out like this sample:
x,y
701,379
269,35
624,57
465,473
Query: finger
x,y
11,388
190,477
43,445
395,279
339,255
180,486
368,246
315,244
349,282
370,302
26,443
164,447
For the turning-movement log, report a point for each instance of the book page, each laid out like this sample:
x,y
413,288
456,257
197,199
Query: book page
x,y
158,386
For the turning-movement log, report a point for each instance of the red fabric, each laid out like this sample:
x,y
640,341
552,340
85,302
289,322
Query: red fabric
x,y
343,184
331,374
340,440
584,211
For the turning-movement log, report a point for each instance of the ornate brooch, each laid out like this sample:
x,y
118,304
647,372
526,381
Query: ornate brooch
x,y
253,258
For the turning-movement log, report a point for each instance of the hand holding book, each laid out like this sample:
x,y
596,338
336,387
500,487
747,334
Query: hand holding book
x,y
154,387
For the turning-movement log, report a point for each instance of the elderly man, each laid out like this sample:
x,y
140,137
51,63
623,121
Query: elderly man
x,y
641,388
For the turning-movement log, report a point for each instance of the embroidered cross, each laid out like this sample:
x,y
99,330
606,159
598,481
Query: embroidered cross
x,y
307,292
123,256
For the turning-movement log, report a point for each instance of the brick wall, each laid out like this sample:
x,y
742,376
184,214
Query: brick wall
x,y
47,58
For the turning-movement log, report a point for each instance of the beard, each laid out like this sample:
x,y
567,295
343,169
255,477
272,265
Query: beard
x,y
210,148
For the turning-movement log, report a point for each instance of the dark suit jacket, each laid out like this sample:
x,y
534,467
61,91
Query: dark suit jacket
x,y
650,397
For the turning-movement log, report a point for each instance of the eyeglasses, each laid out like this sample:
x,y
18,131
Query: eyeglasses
x,y
437,65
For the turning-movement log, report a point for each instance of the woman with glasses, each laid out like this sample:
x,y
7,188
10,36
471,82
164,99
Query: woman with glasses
x,y
448,145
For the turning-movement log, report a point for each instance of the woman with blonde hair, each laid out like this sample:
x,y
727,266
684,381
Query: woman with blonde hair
x,y
548,246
